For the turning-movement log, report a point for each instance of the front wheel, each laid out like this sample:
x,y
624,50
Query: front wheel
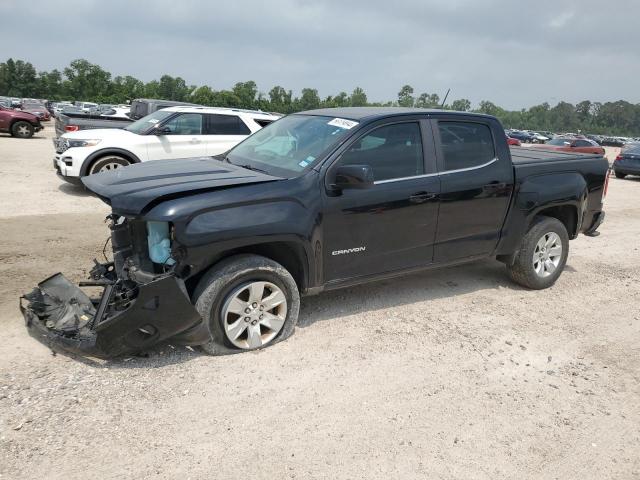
x,y
620,175
248,302
542,256
108,164
22,130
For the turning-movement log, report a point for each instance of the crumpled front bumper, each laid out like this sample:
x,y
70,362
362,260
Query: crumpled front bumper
x,y
61,316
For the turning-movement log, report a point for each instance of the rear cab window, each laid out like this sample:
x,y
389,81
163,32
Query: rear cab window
x,y
465,145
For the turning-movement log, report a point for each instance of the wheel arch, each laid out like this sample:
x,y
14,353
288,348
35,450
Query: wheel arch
x,y
290,254
97,155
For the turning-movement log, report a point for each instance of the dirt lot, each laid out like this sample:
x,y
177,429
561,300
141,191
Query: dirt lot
x,y
454,374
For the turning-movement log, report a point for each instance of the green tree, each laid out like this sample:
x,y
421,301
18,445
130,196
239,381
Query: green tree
x,y
309,99
358,98
85,81
405,96
461,105
428,100
246,93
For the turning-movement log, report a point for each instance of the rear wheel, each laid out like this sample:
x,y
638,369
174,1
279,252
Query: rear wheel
x,y
249,302
542,256
22,130
620,175
108,164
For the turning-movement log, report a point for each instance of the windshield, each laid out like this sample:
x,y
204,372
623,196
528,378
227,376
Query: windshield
x,y
560,142
290,144
147,123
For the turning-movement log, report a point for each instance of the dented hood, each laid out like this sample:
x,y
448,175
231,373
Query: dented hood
x,y
130,190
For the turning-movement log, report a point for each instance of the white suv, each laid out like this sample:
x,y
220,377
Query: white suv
x,y
171,133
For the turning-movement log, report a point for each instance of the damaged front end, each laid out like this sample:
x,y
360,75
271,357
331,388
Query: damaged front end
x,y
143,300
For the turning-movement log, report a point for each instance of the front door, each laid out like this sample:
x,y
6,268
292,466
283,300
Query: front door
x,y
391,225
184,139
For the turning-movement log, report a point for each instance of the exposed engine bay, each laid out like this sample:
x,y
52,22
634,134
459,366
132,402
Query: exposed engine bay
x,y
143,301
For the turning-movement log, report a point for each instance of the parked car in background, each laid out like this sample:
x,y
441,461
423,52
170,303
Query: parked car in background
x,y
514,142
141,107
38,110
538,137
628,162
524,137
176,132
18,123
572,144
86,106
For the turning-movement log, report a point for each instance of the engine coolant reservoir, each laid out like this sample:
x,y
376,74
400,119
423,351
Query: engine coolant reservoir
x,y
159,243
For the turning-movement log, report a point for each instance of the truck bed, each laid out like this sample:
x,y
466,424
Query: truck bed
x,y
88,122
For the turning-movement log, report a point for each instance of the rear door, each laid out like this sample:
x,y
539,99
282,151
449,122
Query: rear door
x,y
391,225
184,140
476,181
223,132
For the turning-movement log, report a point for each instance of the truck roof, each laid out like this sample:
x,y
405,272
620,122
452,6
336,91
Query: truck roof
x,y
371,113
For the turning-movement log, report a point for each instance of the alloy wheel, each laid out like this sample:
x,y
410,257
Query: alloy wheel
x,y
253,314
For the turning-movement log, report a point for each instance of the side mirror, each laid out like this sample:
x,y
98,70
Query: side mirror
x,y
164,130
354,176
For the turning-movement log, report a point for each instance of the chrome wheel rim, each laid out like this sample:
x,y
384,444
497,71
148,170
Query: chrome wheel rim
x,y
253,314
107,167
23,130
547,254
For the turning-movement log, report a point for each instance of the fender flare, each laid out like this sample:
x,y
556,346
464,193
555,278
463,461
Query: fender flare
x,y
101,153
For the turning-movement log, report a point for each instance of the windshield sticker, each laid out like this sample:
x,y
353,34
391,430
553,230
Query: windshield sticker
x,y
153,120
310,158
342,123
303,163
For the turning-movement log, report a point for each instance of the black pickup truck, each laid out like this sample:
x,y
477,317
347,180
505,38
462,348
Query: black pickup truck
x,y
216,252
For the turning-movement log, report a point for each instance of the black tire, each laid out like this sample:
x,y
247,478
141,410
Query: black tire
x,y
223,279
108,163
620,175
22,130
522,270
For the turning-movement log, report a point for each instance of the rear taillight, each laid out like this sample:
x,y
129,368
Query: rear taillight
x,y
619,157
71,128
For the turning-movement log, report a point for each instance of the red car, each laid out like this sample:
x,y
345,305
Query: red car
x,y
19,124
572,144
39,111
513,141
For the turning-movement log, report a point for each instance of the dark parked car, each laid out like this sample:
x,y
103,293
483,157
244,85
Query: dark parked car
x,y
524,137
216,252
19,124
628,162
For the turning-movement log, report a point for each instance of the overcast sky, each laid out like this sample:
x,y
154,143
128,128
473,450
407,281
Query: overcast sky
x,y
514,53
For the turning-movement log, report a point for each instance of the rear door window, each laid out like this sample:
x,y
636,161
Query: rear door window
x,y
225,125
465,144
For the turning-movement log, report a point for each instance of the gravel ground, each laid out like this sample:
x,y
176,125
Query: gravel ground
x,y
454,373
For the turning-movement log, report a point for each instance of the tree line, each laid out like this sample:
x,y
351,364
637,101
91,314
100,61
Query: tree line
x,y
83,80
